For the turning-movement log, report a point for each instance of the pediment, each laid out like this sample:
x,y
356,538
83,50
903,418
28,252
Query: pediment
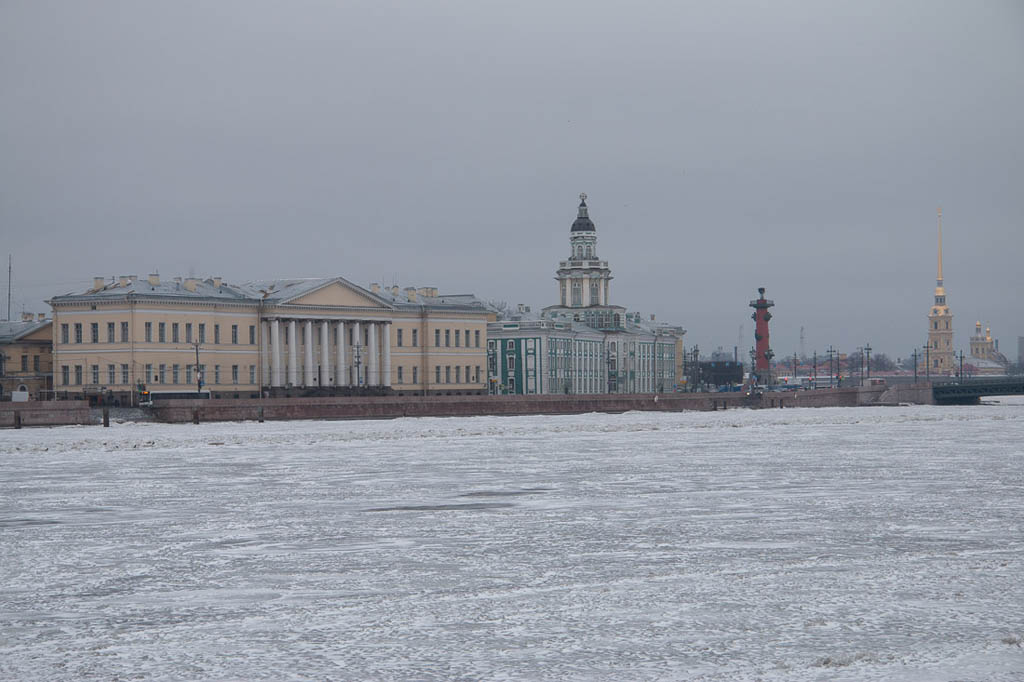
x,y
338,294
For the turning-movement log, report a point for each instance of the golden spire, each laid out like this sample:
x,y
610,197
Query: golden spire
x,y
939,283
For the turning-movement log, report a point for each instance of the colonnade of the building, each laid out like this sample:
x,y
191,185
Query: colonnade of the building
x,y
365,361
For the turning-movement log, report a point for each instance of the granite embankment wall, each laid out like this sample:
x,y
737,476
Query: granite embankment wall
x,y
464,406
66,412
60,413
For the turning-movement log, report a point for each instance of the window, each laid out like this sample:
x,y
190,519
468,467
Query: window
x,y
175,373
124,333
477,375
252,336
202,373
95,375
78,332
149,332
111,374
447,374
447,338
467,374
437,338
64,335
234,334
458,374
457,337
110,334
216,334
437,374
252,374
24,363
234,374
161,331
35,363
149,373
188,332
188,374
476,338
124,374
398,342
400,375
174,332
94,332
415,375
415,340
510,345
511,362
216,374
163,373
64,375
577,293
202,332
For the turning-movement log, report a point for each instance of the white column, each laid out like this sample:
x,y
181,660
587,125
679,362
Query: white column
x,y
325,354
293,354
358,354
373,377
307,375
275,350
264,355
341,369
387,354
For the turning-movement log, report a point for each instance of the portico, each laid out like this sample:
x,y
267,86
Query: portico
x,y
349,351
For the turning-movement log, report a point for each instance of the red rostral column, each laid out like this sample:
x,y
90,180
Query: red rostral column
x,y
763,352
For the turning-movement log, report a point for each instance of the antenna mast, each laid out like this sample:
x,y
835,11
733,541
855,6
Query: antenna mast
x,y
8,287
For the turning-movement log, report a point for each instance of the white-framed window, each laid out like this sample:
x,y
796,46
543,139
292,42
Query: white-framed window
x,y
175,369
124,373
458,374
234,334
401,375
162,332
216,375
111,374
110,334
458,337
78,332
252,374
149,332
95,375
398,337
163,373
234,374
124,333
415,339
78,375
476,338
65,377
447,374
94,333
437,374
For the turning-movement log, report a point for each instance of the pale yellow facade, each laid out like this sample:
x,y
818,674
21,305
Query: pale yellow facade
x,y
288,337
26,357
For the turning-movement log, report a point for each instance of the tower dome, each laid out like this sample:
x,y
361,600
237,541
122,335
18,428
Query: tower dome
x,y
583,223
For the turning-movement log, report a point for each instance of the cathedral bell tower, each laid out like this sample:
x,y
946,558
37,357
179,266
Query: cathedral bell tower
x,y
940,325
584,279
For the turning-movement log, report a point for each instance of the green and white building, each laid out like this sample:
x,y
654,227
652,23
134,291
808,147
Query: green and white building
x,y
582,345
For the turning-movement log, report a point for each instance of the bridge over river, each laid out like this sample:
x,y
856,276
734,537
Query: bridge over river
x,y
971,391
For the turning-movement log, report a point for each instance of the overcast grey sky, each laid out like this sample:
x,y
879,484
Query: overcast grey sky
x,y
801,146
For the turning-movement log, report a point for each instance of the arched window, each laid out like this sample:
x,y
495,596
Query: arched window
x,y
577,293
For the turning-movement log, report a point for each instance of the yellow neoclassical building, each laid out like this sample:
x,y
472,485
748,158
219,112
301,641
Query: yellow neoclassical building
x,y
323,336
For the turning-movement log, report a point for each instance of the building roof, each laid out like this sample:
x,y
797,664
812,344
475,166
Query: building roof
x,y
14,330
276,291
583,223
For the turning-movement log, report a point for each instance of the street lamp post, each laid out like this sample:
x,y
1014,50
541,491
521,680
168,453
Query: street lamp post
x,y
867,351
831,372
915,365
199,373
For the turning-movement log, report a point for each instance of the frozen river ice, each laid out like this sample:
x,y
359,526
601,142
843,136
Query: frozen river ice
x,y
829,544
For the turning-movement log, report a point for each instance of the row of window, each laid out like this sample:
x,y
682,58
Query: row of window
x,y
448,374
161,332
24,364
176,329
156,374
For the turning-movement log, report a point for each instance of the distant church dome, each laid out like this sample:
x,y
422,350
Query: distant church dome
x,y
583,223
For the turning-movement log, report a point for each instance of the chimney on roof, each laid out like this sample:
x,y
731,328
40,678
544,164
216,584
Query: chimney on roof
x,y
97,283
123,280
410,293
217,281
154,279
26,317
190,284
375,288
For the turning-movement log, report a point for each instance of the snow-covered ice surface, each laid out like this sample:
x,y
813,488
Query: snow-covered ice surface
x,y
827,544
